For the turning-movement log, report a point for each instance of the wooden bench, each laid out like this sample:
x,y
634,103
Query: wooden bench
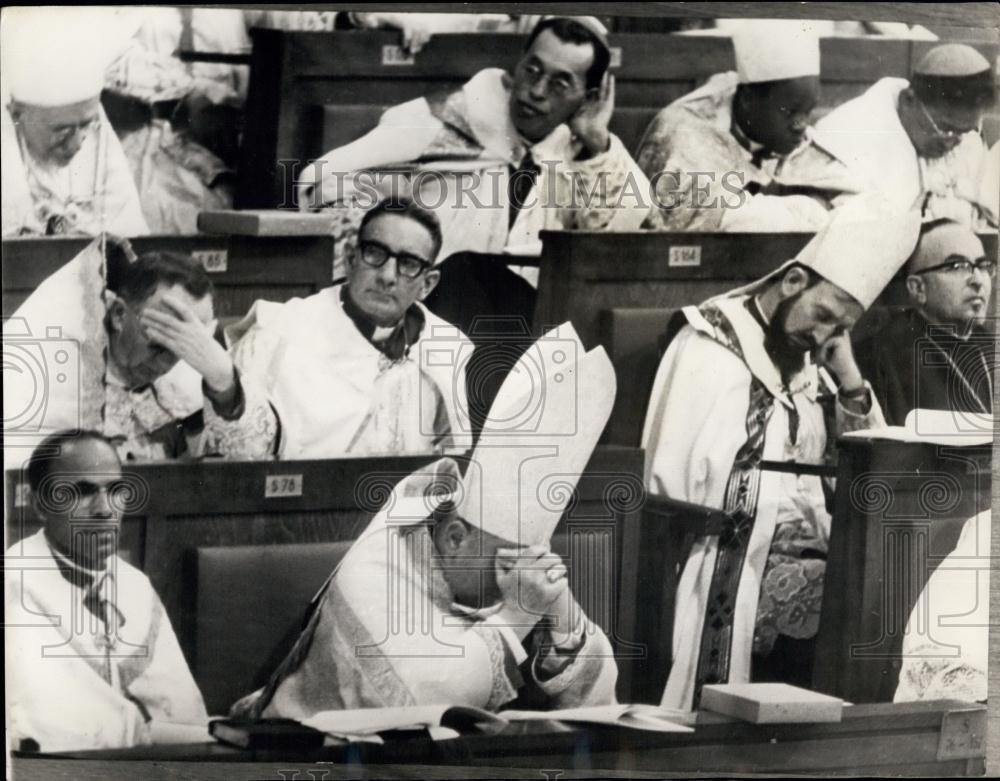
x,y
583,273
242,268
311,92
182,509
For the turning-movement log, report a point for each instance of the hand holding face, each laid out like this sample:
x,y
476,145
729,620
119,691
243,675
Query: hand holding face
x,y
532,580
837,356
590,123
178,329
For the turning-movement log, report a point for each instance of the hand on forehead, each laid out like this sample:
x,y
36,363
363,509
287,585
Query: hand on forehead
x,y
176,301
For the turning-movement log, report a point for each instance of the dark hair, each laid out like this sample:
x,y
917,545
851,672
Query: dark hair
x,y
570,31
976,91
135,282
406,207
48,451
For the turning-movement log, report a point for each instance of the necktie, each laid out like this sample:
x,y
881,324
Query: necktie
x,y
96,601
758,157
519,186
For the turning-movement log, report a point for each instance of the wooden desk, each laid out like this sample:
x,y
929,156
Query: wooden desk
x,y
585,272
898,511
943,738
242,268
310,92
183,506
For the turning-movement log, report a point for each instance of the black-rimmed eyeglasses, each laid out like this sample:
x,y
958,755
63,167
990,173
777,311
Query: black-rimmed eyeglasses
x,y
376,255
959,265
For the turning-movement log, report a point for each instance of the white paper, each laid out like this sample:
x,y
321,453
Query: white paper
x,y
367,721
164,733
634,716
935,427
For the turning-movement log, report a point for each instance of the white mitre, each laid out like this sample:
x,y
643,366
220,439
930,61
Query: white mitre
x,y
55,56
775,49
536,441
862,247
859,250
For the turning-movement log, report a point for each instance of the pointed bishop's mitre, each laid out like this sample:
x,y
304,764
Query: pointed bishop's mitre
x,y
56,56
540,433
862,247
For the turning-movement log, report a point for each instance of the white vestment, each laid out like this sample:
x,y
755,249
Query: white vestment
x,y
333,392
94,193
387,632
58,375
75,682
946,643
705,179
714,384
867,135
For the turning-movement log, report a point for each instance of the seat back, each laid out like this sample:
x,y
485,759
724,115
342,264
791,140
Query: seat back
x,y
251,602
633,339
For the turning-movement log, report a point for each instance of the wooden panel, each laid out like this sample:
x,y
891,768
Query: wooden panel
x,y
191,505
273,267
871,739
898,511
297,77
578,279
583,272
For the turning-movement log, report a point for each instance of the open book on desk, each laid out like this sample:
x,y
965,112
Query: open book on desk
x,y
363,725
633,716
440,720
935,427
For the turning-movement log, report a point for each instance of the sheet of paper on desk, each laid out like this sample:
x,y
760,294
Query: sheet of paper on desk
x,y
529,248
164,733
936,427
634,716
367,721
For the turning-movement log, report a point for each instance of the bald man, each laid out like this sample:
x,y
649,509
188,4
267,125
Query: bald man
x,y
939,353
92,661
920,141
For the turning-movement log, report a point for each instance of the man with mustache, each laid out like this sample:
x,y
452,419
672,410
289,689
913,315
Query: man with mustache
x,y
92,660
507,155
765,372
737,153
940,352
64,170
349,370
921,140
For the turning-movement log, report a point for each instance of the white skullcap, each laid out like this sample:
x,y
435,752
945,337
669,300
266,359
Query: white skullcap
x,y
537,439
54,56
862,247
952,59
774,49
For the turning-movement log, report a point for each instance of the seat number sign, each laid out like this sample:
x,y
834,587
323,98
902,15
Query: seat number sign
x,y
282,486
